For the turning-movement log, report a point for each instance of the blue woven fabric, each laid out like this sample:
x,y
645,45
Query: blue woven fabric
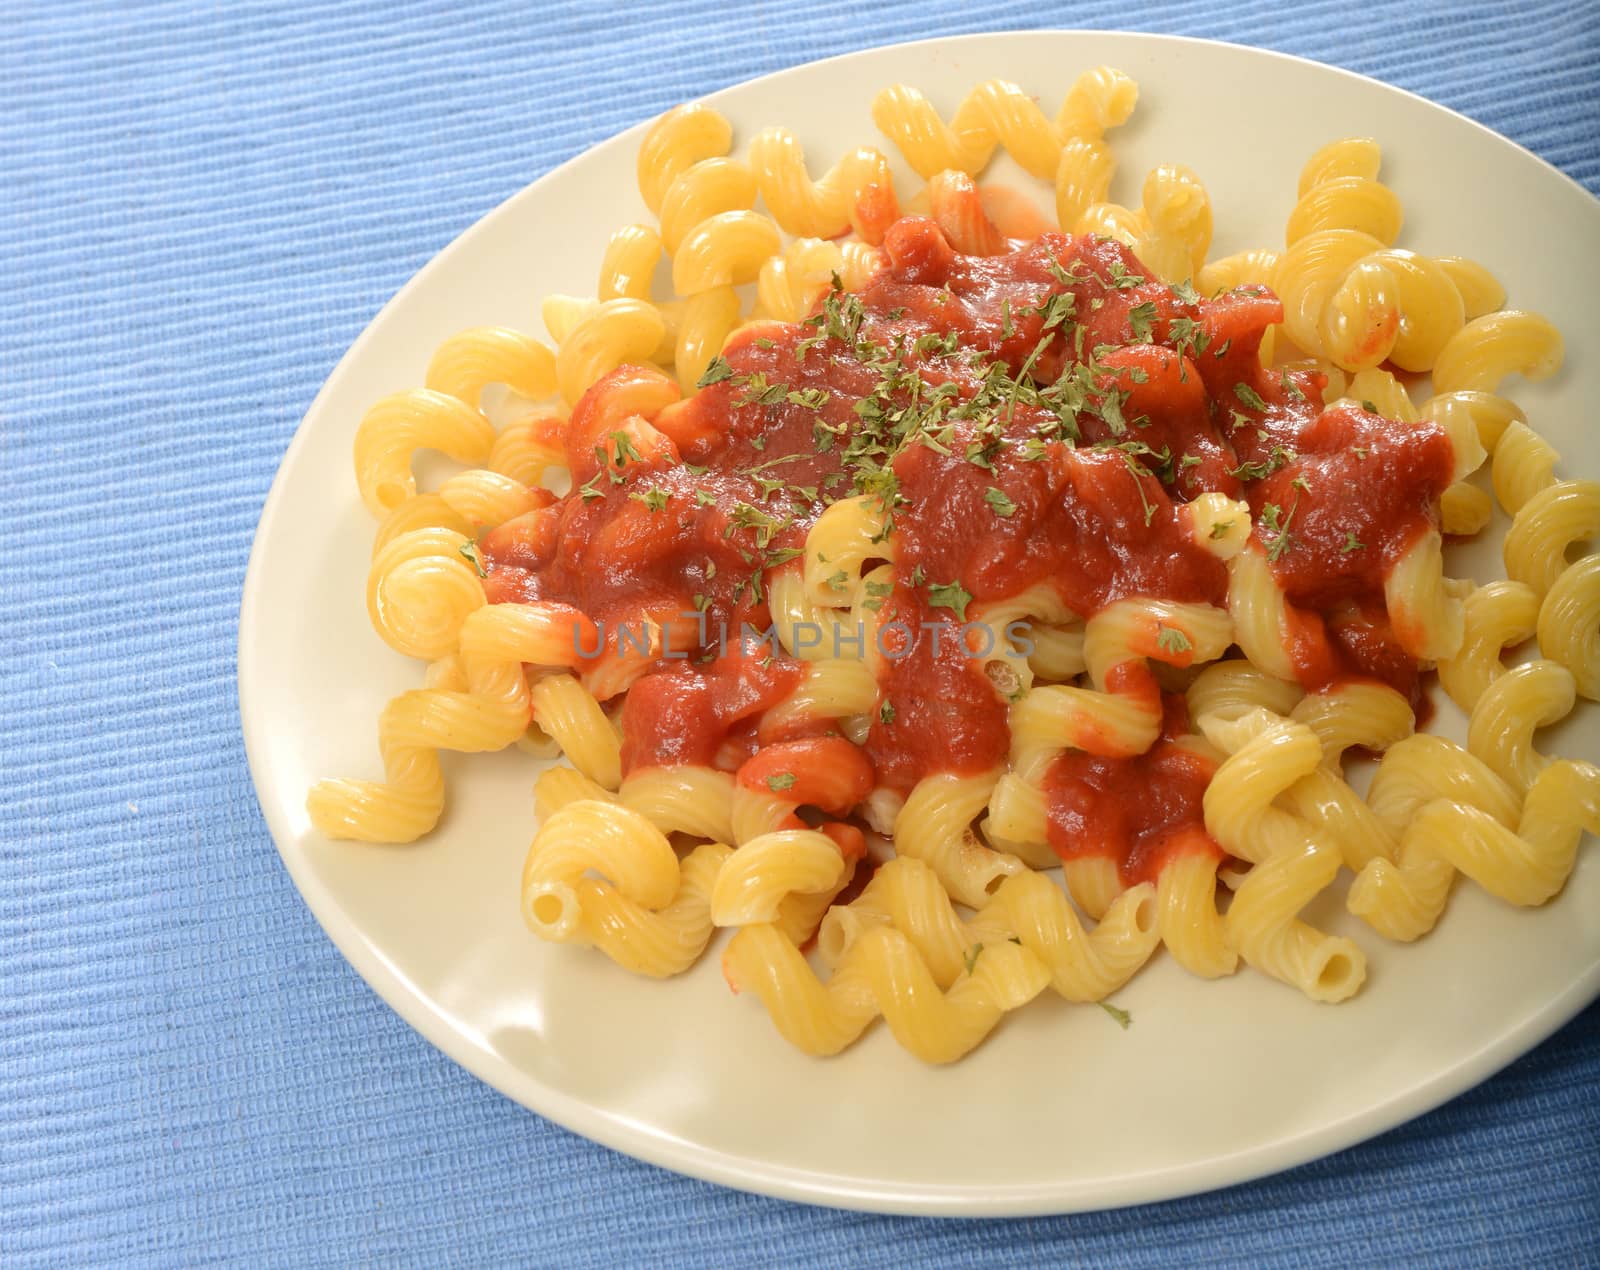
x,y
200,208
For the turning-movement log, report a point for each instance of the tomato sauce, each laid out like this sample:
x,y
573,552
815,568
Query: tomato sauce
x,y
1035,417
686,714
1137,811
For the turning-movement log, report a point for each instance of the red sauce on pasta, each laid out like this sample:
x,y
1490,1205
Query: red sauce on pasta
x,y
686,715
1033,418
1137,811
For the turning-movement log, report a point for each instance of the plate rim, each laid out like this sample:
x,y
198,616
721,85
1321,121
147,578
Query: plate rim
x,y
764,1177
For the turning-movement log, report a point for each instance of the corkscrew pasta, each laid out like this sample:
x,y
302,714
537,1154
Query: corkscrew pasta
x,y
913,544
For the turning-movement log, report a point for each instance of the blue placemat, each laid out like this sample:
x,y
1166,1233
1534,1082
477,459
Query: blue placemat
x,y
200,208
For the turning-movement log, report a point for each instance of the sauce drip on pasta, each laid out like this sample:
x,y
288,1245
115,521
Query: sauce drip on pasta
x,y
1137,810
1037,417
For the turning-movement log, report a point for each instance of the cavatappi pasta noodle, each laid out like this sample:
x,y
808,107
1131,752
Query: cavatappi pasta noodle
x,y
918,543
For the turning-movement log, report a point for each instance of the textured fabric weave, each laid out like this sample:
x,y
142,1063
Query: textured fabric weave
x,y
202,206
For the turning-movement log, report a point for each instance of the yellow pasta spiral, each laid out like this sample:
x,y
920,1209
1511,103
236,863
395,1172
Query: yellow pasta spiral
x,y
1464,509
709,188
1339,300
1497,616
996,112
1346,202
1217,524
935,827
484,497
703,328
613,842
792,281
1524,865
1017,822
769,869
392,431
1510,710
824,208
1101,98
1235,687
1402,895
1337,814
881,974
754,813
558,786
808,631
691,799
678,139
629,264
1423,768
1290,865
420,590
569,713
722,251
421,511
1459,411
1423,604
465,364
1170,231
725,250
1189,924
1475,423
600,874
1354,713
1524,464
1487,349
1569,624
1094,882
1480,291
1057,651
1546,527
1344,157
832,688
411,730
1083,177
1431,309
846,536
1028,909
1046,622
609,335
1353,298
1179,211
1257,267
1261,618
1098,720
655,942
527,449
496,641
999,113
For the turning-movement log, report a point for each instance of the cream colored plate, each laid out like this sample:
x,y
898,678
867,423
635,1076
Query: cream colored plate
x,y
1060,1110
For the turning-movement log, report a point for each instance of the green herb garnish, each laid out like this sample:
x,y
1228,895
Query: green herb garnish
x,y
950,595
1169,639
715,373
1122,1017
1249,396
1000,501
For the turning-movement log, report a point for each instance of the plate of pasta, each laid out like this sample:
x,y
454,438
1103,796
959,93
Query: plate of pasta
x,y
984,641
